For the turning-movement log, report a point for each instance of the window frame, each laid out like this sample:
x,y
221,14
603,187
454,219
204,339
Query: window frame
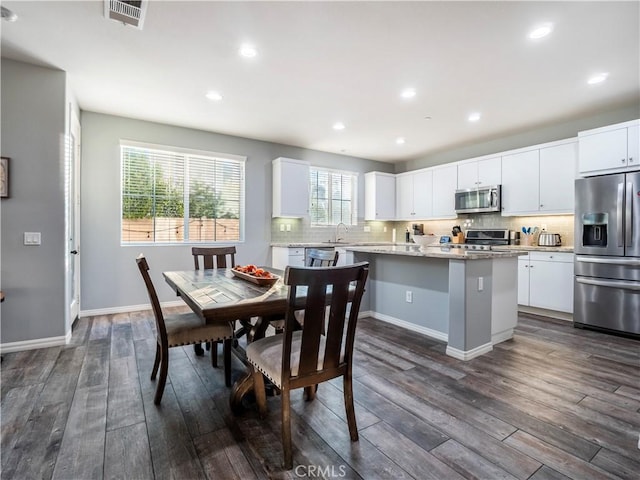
x,y
354,197
185,153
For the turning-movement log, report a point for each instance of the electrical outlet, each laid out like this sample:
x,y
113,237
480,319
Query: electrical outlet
x,y
480,284
32,238
384,229
288,227
408,296
282,227
367,228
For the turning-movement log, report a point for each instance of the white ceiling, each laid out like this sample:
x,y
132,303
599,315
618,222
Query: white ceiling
x,y
323,62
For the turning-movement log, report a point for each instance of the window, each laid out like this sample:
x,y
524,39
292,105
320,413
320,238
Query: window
x,y
333,197
171,195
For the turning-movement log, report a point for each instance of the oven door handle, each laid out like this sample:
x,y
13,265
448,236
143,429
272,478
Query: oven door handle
x,y
609,283
629,262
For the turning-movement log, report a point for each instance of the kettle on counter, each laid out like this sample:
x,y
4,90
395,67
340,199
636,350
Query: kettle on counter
x,y
549,239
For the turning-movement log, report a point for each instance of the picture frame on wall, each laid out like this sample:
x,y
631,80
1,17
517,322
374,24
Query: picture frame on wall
x,y
4,177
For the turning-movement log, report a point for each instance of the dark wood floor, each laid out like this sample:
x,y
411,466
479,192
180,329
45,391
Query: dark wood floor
x,y
553,403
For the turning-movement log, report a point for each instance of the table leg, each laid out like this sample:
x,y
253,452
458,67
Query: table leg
x,y
244,384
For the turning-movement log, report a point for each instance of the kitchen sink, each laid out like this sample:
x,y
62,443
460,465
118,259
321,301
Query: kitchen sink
x,y
328,242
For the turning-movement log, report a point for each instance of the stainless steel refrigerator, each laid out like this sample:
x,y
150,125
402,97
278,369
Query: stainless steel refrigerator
x,y
607,247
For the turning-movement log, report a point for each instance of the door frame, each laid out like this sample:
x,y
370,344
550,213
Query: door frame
x,y
72,271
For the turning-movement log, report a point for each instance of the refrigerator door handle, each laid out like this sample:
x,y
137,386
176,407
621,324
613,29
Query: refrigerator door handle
x,y
627,261
619,206
629,215
609,283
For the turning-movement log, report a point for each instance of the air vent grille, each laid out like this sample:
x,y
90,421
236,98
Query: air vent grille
x,y
129,12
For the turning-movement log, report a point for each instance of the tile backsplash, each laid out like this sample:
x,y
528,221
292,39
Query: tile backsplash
x,y
302,231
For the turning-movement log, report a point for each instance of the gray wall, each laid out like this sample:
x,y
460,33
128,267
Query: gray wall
x,y
109,275
33,133
532,136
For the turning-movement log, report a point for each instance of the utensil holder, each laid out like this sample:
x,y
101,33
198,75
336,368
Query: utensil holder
x,y
458,238
527,240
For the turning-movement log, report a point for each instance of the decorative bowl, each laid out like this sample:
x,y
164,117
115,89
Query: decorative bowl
x,y
425,240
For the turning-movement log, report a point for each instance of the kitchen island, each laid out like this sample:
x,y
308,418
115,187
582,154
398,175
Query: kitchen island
x,y
466,298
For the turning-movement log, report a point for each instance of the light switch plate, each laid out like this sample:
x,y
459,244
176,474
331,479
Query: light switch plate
x,y
32,238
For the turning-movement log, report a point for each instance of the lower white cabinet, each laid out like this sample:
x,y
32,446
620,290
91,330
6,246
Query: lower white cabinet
x,y
545,280
283,256
345,257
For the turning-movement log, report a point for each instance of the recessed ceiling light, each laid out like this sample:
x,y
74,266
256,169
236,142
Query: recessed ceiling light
x,y
214,96
248,51
598,78
408,93
474,117
541,31
400,140
338,126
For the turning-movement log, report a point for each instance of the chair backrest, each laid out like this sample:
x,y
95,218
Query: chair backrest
x,y
344,285
321,258
143,266
214,257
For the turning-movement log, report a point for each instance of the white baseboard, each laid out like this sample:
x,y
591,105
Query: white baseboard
x,y
408,325
469,354
36,343
502,336
129,308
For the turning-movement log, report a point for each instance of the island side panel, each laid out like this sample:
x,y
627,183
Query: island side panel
x,y
470,308
504,311
391,276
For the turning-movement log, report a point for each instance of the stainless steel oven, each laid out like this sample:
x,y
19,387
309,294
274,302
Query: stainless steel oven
x,y
478,200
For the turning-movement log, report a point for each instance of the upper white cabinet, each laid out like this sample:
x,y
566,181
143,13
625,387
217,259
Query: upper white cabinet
x,y
414,200
539,181
445,180
557,178
480,173
379,196
520,182
290,188
614,148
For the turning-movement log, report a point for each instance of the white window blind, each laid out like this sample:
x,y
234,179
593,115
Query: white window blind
x,y
333,197
177,196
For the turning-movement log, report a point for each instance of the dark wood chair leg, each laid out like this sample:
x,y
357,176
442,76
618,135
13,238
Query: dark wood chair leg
x,y
310,393
286,429
164,368
350,410
214,354
156,363
226,352
197,348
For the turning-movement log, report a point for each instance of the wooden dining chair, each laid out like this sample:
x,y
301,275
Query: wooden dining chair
x,y
177,330
213,257
304,358
313,258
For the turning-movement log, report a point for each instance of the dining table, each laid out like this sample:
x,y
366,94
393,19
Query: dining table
x,y
219,296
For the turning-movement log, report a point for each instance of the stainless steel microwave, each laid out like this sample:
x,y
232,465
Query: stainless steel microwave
x,y
479,200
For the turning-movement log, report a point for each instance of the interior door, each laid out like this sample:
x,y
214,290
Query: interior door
x,y
73,224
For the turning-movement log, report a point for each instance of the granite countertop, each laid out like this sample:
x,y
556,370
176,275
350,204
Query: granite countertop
x,y
331,244
532,248
436,251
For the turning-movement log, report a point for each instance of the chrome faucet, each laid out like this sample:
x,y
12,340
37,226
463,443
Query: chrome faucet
x,y
346,229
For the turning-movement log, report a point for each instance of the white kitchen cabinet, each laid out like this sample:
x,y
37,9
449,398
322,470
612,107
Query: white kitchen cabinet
x,y
290,188
545,280
521,182
480,173
615,148
379,196
283,256
345,257
540,181
445,180
557,178
414,196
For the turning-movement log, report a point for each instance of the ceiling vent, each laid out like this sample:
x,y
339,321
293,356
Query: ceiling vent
x,y
129,12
